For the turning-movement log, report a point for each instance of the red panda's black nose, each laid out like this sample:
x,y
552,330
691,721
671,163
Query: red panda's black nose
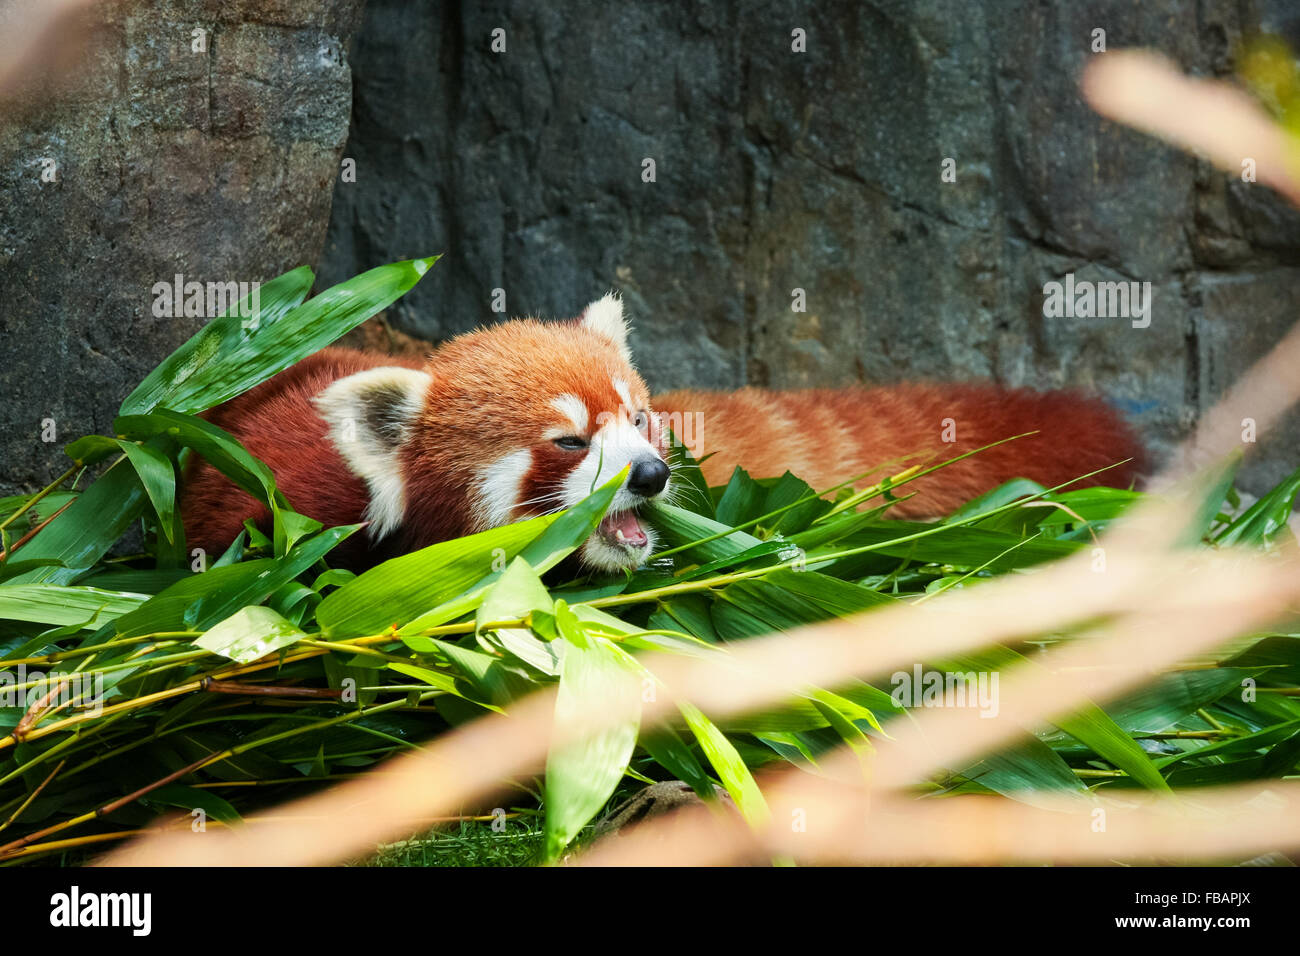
x,y
648,477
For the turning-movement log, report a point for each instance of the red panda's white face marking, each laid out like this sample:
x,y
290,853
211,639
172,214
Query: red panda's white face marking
x,y
621,388
498,491
518,419
575,410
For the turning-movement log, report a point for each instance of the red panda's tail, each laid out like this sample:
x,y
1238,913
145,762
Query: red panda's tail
x,y
827,436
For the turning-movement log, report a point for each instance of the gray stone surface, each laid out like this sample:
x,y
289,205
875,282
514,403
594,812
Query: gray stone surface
x,y
775,171
818,171
216,165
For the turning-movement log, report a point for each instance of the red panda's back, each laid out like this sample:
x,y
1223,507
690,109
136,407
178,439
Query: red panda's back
x,y
277,422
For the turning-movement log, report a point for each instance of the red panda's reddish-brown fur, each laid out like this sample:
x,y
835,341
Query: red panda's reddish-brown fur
x,y
826,436
491,394
480,407
277,423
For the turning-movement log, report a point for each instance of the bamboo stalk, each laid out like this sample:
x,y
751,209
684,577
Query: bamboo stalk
x,y
7,849
35,711
40,495
4,555
193,685
97,648
267,690
33,795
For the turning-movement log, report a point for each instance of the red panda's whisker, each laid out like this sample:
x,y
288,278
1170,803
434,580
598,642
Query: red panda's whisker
x,y
541,499
682,491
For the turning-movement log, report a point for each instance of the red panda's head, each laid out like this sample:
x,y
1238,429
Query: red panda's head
x,y
503,423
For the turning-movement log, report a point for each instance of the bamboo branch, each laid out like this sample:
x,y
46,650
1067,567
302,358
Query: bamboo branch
x,y
267,690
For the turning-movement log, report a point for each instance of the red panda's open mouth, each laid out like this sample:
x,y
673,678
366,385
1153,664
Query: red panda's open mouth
x,y
622,529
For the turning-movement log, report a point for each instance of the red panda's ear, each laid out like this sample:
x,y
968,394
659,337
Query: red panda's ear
x,y
370,415
605,316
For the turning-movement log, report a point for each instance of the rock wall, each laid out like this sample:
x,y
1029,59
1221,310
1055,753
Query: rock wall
x,y
156,159
775,171
822,171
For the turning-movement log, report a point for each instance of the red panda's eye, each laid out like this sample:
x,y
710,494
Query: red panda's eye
x,y
641,421
571,443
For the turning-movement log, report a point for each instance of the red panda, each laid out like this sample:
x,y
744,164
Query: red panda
x,y
528,417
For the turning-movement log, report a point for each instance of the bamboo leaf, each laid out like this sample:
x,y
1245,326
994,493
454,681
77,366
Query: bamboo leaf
x,y
217,603
221,449
688,479
1025,772
82,534
53,604
232,354
158,478
680,527
728,765
401,589
179,380
192,798
250,634
585,767
741,500
670,752
1267,518
517,594
486,674
561,535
